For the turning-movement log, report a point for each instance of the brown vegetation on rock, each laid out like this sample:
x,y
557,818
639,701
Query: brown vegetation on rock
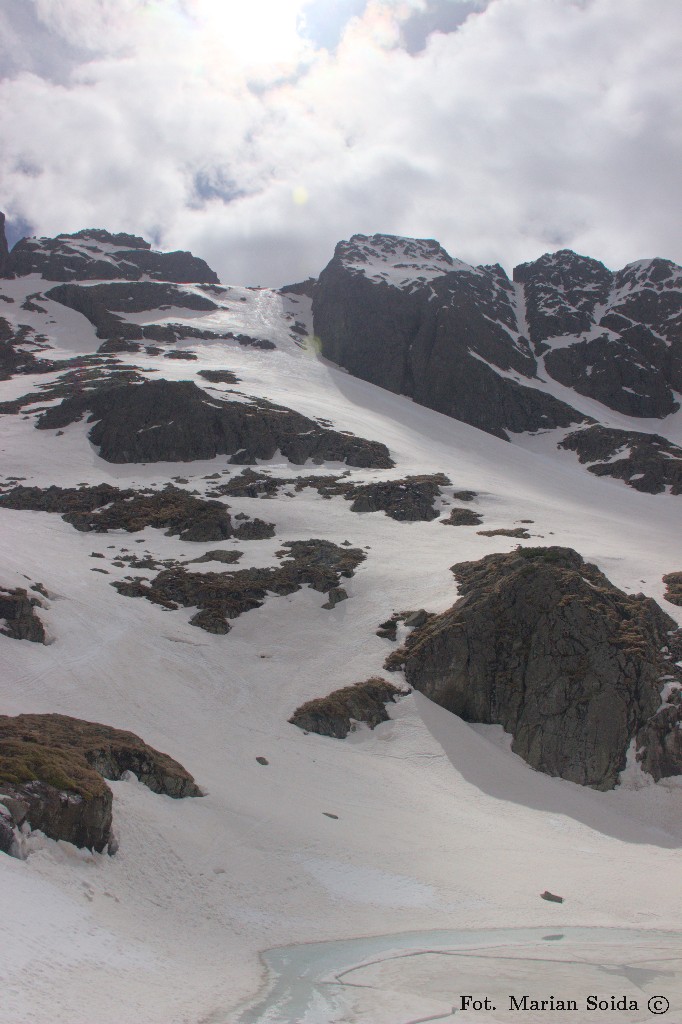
x,y
52,770
221,596
334,714
102,507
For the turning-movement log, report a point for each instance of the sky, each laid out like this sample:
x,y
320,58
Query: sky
x,y
258,133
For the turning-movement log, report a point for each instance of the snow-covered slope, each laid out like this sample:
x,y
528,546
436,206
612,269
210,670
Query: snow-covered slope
x,y
424,823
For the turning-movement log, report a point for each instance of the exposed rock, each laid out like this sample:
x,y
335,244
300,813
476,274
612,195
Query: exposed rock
x,y
550,897
19,346
635,364
100,303
300,288
562,291
176,421
463,517
82,376
177,353
617,372
334,714
673,583
647,462
226,595
262,760
414,619
659,741
102,508
219,376
52,768
403,314
4,249
218,555
94,254
114,345
336,596
78,810
543,644
388,630
7,831
515,531
406,500
17,616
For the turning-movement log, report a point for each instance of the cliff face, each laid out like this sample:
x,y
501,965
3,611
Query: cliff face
x,y
404,315
470,343
543,644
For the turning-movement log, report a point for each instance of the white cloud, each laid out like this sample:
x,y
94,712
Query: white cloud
x,y
538,124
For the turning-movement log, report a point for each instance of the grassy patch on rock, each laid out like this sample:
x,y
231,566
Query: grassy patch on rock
x,y
335,714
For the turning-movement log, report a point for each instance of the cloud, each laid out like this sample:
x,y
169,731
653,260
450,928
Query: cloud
x,y
522,127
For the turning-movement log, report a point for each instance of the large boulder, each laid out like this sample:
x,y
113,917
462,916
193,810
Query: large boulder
x,y
52,770
543,644
18,617
335,714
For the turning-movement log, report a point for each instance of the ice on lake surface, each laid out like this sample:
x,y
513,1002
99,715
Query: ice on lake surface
x,y
609,974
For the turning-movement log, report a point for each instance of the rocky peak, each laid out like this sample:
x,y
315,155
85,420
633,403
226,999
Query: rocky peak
x,y
441,333
401,262
562,290
120,240
96,254
656,273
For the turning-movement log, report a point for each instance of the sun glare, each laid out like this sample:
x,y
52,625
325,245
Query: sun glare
x,y
255,32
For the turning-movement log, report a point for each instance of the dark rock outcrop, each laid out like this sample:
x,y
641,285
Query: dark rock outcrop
x,y
463,517
17,610
543,644
219,376
98,255
4,249
334,714
19,346
102,508
176,421
467,342
627,326
100,304
306,288
673,585
52,769
647,462
82,376
562,291
439,332
220,596
617,373
407,500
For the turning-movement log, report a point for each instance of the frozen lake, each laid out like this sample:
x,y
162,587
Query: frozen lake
x,y
609,974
